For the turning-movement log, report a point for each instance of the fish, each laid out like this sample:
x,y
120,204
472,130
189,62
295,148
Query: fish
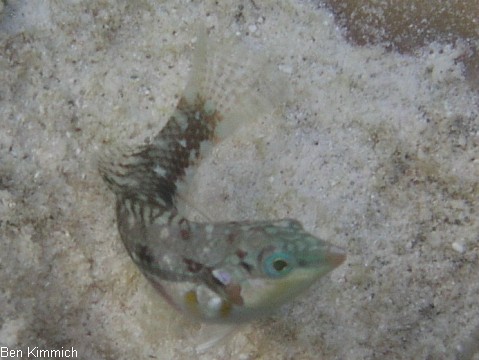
x,y
219,272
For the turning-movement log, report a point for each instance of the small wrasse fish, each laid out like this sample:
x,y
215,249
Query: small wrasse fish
x,y
223,272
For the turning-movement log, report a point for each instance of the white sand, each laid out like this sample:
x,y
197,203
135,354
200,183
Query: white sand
x,y
376,152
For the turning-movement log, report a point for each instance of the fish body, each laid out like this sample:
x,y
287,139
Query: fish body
x,y
226,272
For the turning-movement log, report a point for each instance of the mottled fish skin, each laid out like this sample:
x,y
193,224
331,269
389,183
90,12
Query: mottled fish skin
x,y
219,272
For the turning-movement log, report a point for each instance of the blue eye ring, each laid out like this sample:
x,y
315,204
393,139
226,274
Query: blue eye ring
x,y
278,264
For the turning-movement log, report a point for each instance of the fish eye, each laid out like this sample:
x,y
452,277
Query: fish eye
x,y
278,264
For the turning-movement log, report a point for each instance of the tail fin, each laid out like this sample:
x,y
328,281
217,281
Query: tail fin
x,y
228,86
238,82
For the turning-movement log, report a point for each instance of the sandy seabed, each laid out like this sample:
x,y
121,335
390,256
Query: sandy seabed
x,y
376,151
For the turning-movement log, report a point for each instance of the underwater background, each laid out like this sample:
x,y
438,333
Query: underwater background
x,y
376,151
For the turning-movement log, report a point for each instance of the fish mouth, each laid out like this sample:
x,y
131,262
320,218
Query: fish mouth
x,y
335,256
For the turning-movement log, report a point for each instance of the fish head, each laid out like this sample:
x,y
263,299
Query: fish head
x,y
273,263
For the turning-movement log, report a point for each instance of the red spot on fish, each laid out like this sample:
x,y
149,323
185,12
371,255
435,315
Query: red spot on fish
x,y
185,234
233,291
241,254
192,266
